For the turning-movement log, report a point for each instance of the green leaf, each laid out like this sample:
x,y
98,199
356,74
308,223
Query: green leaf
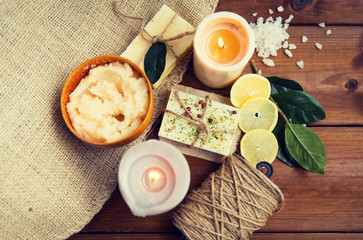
x,y
154,62
306,148
299,106
282,85
280,125
282,154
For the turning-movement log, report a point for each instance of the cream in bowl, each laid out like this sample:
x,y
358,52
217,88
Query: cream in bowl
x,y
111,105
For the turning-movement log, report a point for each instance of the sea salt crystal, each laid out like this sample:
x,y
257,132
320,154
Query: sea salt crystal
x,y
285,45
274,53
289,19
254,14
259,20
280,9
260,72
322,25
288,53
328,32
270,11
270,19
318,46
300,64
269,36
304,39
268,62
292,46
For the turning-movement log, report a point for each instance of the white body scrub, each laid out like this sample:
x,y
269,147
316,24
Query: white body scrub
x,y
109,103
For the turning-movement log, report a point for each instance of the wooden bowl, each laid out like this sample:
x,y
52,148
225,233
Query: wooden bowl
x,y
79,73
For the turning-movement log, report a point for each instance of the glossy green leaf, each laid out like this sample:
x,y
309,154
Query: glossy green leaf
x,y
299,106
282,154
280,126
306,148
154,63
282,85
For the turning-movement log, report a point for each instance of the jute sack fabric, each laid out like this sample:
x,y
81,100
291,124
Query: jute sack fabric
x,y
52,184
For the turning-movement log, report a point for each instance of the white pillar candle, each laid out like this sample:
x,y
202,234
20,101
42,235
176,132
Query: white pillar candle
x,y
223,45
153,177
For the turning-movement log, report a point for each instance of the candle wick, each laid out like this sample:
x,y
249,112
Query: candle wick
x,y
218,50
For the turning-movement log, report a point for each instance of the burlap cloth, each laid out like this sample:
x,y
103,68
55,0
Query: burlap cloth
x,y
51,184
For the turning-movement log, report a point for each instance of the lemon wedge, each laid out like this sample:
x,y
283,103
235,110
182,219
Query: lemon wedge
x,y
258,113
247,86
259,145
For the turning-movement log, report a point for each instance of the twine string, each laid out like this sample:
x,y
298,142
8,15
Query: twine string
x,y
201,125
237,217
216,225
156,38
221,197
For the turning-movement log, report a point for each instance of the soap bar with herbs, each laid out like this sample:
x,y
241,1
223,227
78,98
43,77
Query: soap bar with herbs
x,y
138,48
219,116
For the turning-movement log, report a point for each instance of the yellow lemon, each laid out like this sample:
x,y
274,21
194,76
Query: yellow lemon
x,y
258,112
247,86
259,145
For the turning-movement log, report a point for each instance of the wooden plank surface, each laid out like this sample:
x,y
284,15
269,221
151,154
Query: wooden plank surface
x,y
317,206
256,236
314,202
332,12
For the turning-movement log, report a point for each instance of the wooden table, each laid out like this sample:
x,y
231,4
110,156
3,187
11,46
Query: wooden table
x,y
317,206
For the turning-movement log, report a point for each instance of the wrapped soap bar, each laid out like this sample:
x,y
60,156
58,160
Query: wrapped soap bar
x,y
167,24
221,119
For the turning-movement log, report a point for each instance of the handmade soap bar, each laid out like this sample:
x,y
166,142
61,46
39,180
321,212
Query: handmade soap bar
x,y
218,117
137,49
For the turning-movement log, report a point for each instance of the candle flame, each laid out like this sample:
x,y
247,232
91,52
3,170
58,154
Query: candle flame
x,y
220,42
153,176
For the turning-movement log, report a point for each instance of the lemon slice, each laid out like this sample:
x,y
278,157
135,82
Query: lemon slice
x,y
247,86
259,145
258,112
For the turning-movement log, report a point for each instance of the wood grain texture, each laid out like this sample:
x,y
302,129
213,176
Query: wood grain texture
x,y
332,12
314,202
121,236
256,236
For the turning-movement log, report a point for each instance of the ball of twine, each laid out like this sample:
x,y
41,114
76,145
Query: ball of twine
x,y
232,203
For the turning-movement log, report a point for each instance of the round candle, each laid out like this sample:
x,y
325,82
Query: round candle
x,y
154,177
223,45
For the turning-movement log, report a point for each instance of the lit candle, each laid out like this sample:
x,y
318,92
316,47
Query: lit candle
x,y
154,177
223,45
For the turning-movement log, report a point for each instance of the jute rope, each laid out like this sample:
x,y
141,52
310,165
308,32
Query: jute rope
x,y
157,38
198,122
232,203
